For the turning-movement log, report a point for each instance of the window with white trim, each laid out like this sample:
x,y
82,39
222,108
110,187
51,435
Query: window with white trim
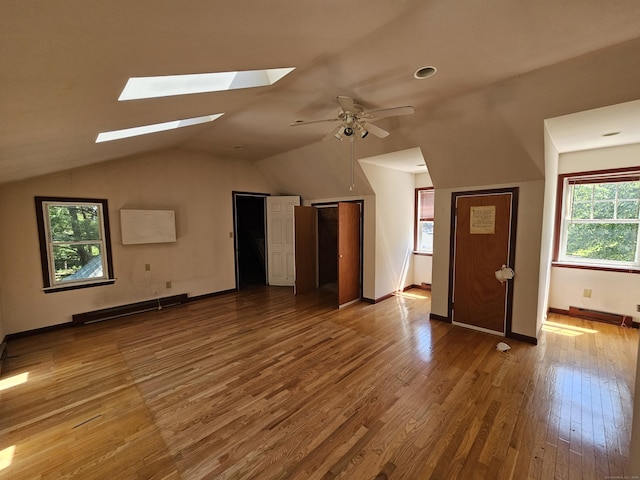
x,y
424,221
75,247
600,220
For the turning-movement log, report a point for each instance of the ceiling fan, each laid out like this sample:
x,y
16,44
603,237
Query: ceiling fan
x,y
354,120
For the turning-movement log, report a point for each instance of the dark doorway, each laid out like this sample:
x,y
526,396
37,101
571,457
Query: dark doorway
x,y
250,239
328,247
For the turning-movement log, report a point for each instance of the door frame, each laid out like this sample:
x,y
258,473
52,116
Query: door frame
x,y
361,203
236,262
514,191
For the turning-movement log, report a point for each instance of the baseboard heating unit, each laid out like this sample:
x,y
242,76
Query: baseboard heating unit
x,y
607,317
130,309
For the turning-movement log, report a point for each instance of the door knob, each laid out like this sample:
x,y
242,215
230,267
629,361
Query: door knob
x,y
505,273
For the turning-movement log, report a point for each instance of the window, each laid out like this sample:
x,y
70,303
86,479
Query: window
x,y
75,247
600,217
424,221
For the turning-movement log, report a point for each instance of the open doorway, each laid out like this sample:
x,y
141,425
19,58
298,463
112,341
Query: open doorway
x,y
250,235
339,249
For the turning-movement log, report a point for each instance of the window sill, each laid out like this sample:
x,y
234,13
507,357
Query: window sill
x,y
424,254
77,286
601,268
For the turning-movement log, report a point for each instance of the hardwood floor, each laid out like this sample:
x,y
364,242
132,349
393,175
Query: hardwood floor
x,y
261,384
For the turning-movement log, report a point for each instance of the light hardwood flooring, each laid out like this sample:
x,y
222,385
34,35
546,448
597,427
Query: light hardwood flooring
x,y
264,385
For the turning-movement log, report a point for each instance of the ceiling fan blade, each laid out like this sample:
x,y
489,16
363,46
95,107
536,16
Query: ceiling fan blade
x,y
303,122
376,130
348,104
389,112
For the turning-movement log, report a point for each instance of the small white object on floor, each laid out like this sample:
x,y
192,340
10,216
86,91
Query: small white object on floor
x,y
503,347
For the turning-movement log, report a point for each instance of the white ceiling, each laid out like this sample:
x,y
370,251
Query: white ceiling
x,y
590,129
503,68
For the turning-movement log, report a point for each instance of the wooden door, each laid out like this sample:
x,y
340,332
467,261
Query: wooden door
x,y
483,242
280,263
348,253
306,249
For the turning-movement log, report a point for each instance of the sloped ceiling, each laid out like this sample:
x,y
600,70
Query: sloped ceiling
x,y
503,67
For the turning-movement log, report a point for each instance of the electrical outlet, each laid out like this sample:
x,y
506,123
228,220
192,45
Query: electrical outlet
x,y
168,284
147,267
586,293
230,234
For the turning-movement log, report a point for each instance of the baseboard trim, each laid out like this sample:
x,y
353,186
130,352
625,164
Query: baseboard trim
x,y
211,295
422,286
37,331
368,300
523,338
440,318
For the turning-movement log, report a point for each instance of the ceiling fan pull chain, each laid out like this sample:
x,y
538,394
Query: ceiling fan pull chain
x,y
351,160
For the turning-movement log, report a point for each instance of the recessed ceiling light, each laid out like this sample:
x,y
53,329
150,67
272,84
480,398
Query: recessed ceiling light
x,y
610,134
170,85
157,127
425,72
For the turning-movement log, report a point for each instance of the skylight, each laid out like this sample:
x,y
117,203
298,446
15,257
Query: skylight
x,y
158,127
169,85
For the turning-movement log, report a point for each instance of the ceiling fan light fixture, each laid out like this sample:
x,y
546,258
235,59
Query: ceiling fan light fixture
x,y
363,132
339,133
425,72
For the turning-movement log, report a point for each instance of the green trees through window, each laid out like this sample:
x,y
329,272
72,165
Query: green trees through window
x,y
601,220
74,240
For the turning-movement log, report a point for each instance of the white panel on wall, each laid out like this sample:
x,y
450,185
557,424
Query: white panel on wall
x,y
147,226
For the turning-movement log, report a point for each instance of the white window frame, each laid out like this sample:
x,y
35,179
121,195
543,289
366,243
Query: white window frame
x,y
47,243
566,220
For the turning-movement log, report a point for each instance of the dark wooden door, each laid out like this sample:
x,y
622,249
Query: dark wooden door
x,y
484,224
306,249
348,252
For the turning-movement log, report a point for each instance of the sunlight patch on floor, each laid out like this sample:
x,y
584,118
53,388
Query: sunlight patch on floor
x,y
564,329
14,380
6,457
411,295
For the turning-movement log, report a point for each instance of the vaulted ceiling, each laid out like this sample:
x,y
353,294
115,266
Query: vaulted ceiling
x,y
503,67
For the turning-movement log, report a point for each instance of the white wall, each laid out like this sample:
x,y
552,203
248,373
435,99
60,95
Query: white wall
x,y
527,261
422,264
634,468
615,292
394,198
197,186
548,227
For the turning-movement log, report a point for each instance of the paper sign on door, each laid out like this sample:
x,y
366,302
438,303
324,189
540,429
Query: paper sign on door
x,y
483,220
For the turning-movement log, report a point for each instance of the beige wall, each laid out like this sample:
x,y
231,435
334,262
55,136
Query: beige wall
x,y
3,330
197,186
527,266
394,196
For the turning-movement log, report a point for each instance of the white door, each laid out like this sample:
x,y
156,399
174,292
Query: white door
x,y
280,262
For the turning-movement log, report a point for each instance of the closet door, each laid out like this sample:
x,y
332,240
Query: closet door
x,y
348,253
306,249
